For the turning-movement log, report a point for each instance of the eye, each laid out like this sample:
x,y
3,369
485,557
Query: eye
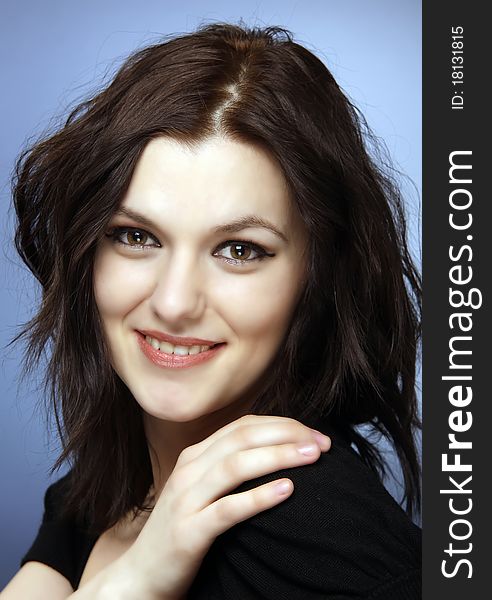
x,y
241,252
132,237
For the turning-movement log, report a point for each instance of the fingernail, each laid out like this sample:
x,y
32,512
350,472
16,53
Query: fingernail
x,y
307,449
282,487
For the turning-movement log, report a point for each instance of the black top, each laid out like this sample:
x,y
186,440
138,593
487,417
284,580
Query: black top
x,y
340,535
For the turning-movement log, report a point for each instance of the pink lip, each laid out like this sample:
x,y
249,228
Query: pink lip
x,y
174,361
176,341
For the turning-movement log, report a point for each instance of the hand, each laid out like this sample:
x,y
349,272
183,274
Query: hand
x,y
194,508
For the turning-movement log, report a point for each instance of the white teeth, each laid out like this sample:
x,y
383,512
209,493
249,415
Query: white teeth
x,y
180,350
153,342
168,348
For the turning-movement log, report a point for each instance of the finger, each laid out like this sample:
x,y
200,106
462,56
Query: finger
x,y
188,479
238,467
191,452
222,514
254,434
258,434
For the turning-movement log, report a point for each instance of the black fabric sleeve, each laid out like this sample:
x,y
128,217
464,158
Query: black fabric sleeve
x,y
339,536
60,544
406,587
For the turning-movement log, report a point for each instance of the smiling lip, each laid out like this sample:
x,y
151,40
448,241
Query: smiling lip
x,y
175,361
176,341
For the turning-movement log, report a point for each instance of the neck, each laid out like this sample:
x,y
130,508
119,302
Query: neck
x,y
167,439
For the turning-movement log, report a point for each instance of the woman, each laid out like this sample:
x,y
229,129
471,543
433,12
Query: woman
x,y
225,280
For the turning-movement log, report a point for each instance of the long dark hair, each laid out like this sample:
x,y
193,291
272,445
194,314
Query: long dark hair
x,y
350,353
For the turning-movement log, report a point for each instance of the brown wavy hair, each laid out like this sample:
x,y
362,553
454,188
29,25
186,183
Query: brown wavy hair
x,y
350,354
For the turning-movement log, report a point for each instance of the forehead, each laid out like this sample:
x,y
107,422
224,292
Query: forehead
x,y
215,180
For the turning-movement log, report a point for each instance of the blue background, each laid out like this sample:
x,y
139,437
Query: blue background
x,y
54,52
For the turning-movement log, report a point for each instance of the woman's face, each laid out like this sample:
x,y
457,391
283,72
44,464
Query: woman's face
x,y
205,245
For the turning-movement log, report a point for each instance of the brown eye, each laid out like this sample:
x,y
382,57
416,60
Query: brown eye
x,y
240,251
136,237
131,237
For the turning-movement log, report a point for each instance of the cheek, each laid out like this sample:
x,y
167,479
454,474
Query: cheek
x,y
259,307
118,285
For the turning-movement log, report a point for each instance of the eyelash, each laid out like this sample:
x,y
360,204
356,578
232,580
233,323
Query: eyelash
x,y
115,233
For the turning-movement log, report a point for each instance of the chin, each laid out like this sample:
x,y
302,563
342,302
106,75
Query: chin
x,y
171,407
168,411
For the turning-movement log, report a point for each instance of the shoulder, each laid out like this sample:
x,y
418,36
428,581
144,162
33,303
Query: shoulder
x,y
60,543
54,496
339,533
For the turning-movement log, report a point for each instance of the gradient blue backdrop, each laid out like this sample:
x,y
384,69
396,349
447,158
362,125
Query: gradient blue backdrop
x,y
53,52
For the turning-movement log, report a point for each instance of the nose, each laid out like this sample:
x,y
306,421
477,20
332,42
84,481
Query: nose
x,y
178,293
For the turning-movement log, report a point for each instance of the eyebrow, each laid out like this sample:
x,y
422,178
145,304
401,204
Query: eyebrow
x,y
232,227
